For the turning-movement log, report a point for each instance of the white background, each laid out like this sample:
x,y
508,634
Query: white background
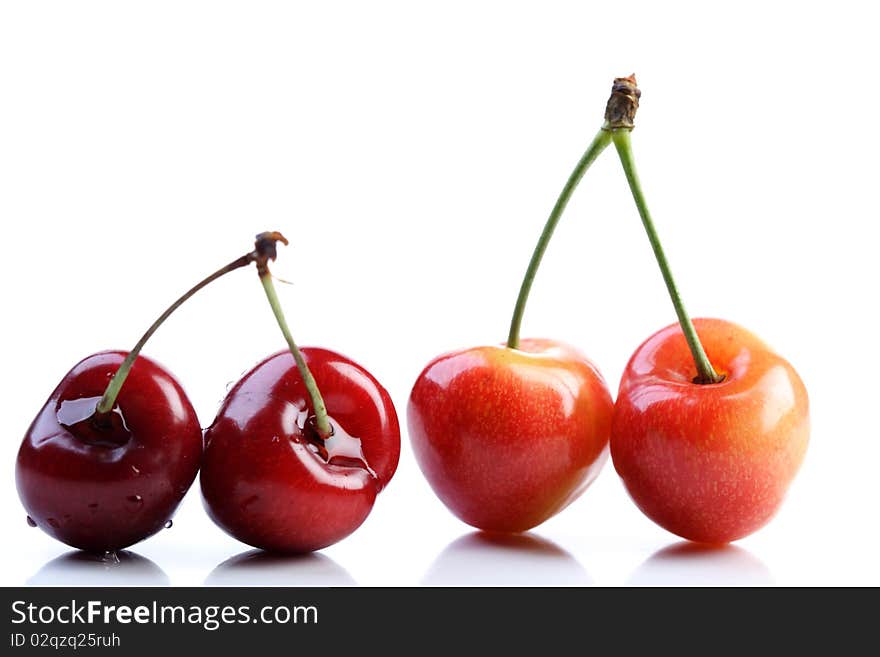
x,y
411,152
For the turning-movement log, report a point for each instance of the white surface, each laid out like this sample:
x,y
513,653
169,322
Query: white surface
x,y
412,155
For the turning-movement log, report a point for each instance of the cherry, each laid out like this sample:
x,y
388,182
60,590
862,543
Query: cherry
x,y
114,449
710,426
711,463
507,436
301,446
271,481
104,486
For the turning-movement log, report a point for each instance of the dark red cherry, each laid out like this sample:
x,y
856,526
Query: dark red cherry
x,y
104,483
271,481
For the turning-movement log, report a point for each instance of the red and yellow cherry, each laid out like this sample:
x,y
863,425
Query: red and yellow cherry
x,y
114,449
270,480
102,484
301,446
509,437
710,426
709,462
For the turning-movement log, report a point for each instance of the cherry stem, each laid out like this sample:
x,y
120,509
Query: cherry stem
x,y
108,400
705,372
600,141
322,420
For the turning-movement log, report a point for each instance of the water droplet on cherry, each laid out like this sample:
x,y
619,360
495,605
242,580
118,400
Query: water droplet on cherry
x,y
80,418
339,448
135,500
31,522
110,558
169,524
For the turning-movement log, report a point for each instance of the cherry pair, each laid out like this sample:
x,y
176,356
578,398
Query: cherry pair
x,y
709,427
286,466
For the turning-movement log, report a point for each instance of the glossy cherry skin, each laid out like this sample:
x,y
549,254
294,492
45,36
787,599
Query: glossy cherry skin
x,y
106,489
509,437
264,479
711,463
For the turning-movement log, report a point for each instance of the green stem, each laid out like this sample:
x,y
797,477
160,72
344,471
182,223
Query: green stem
x,y
601,140
322,421
108,400
705,372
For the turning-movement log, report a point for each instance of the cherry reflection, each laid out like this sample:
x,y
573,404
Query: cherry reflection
x,y
486,559
121,568
259,568
695,564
